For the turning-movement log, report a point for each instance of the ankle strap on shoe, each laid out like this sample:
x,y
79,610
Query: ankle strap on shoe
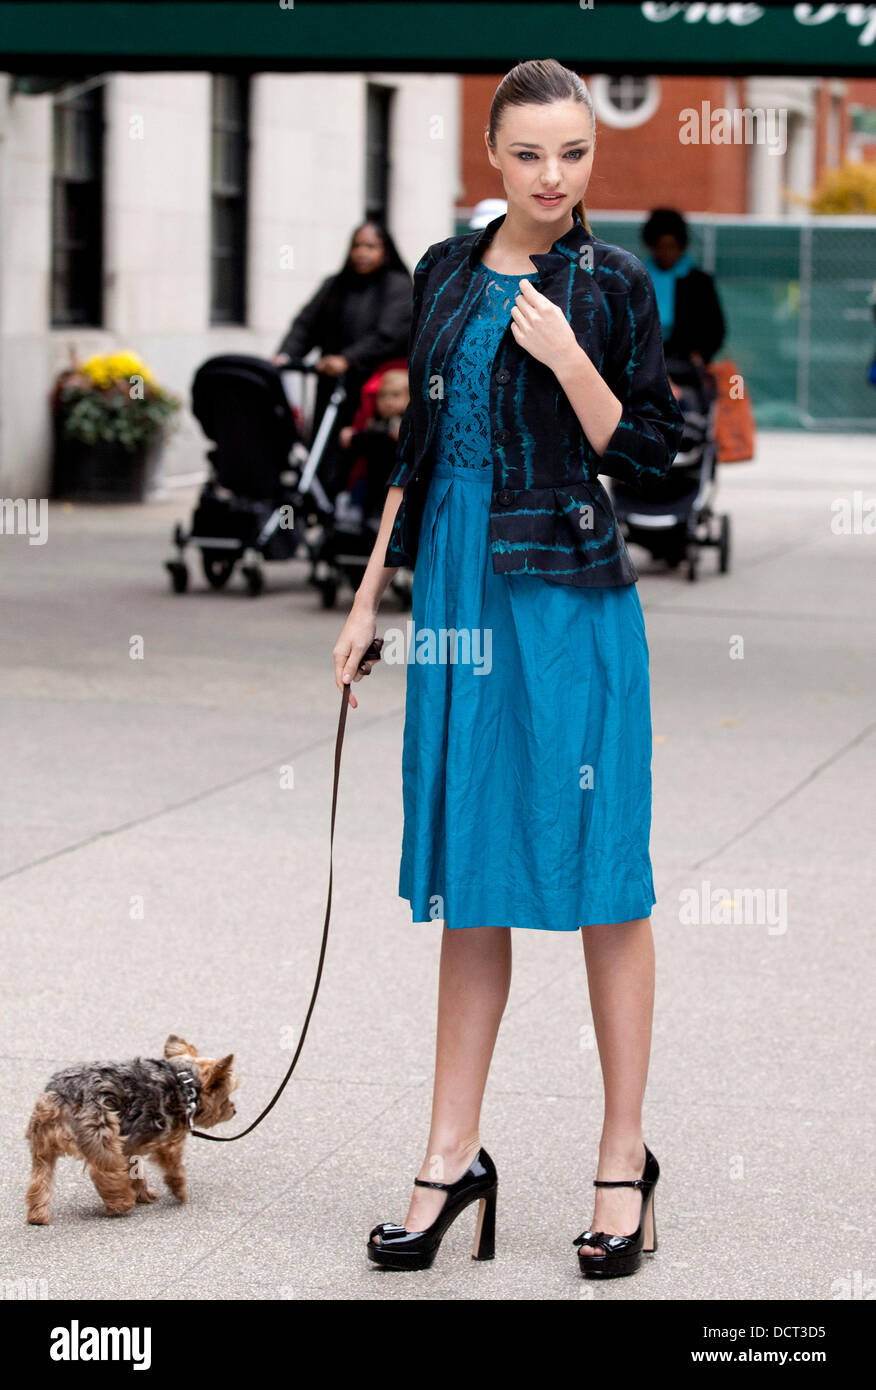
x,y
631,1182
442,1186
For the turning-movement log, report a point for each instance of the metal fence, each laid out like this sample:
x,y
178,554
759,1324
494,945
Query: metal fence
x,y
795,298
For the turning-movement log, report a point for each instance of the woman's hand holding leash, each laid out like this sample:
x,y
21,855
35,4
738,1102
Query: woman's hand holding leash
x,y
357,636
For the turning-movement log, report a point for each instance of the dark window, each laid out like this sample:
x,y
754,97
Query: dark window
x,y
628,93
377,116
77,208
229,159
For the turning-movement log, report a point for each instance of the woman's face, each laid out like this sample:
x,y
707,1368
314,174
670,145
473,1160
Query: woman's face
x,y
666,250
367,252
544,150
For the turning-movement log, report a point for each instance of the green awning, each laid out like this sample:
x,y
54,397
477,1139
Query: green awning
x,y
479,36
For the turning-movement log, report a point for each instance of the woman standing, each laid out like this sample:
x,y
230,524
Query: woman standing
x,y
526,764
359,318
690,311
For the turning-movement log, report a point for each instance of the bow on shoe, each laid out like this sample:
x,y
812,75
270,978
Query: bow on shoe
x,y
608,1243
389,1232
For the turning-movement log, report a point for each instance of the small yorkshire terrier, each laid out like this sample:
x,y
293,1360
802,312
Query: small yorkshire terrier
x,y
110,1113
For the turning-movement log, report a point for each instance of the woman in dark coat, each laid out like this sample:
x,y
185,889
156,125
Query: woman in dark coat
x,y
690,311
358,318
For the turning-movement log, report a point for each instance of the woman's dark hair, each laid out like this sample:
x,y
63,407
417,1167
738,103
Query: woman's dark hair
x,y
539,81
348,278
665,222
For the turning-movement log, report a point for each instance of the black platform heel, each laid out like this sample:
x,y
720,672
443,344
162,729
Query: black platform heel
x,y
400,1248
623,1254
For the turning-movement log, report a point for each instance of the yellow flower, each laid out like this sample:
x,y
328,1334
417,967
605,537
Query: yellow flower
x,y
106,368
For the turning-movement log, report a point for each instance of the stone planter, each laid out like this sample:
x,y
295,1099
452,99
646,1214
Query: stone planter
x,y
106,472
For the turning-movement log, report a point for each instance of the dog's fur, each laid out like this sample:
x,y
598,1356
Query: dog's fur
x,y
112,1114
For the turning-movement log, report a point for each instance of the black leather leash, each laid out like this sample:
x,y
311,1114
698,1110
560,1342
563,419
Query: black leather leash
x,y
372,654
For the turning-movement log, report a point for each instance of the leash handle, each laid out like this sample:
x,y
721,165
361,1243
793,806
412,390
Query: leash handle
x,y
372,654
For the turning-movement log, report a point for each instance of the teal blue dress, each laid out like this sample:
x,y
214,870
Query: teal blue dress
x,y
526,761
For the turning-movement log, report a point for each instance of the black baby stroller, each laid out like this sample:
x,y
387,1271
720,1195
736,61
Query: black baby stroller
x,y
675,518
263,500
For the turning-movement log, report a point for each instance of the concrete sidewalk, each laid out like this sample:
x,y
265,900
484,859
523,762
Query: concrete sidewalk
x,y
159,780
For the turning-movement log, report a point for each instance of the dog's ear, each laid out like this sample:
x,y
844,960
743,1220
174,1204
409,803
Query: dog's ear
x,y
219,1072
178,1047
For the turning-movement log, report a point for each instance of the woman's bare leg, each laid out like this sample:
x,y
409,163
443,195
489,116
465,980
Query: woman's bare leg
x,y
475,976
620,978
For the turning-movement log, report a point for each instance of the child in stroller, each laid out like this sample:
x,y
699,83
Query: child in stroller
x,y
674,518
370,444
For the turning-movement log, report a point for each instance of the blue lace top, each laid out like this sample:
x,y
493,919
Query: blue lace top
x,y
463,433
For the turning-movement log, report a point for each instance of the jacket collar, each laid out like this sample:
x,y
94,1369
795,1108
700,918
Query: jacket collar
x,y
565,249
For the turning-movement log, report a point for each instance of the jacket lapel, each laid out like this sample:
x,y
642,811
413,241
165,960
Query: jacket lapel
x,y
558,270
564,255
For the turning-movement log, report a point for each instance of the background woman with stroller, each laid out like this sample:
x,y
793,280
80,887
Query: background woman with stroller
x,y
674,517
358,318
687,301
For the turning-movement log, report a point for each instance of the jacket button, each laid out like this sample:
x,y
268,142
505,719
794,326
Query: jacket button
x,y
503,375
505,497
502,436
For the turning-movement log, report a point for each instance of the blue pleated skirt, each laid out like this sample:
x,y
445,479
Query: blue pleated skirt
x,y
526,764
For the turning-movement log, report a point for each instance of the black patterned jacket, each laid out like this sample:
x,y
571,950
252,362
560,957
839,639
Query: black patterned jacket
x,y
549,513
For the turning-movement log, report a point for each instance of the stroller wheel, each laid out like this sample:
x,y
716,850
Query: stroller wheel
x,y
693,561
724,544
179,576
217,568
255,580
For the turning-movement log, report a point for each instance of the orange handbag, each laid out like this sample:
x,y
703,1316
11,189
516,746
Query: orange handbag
x,y
735,432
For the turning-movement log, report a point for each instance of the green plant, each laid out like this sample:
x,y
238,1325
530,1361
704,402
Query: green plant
x,y
113,399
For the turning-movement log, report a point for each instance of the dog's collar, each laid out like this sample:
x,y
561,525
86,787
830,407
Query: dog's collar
x,y
189,1084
